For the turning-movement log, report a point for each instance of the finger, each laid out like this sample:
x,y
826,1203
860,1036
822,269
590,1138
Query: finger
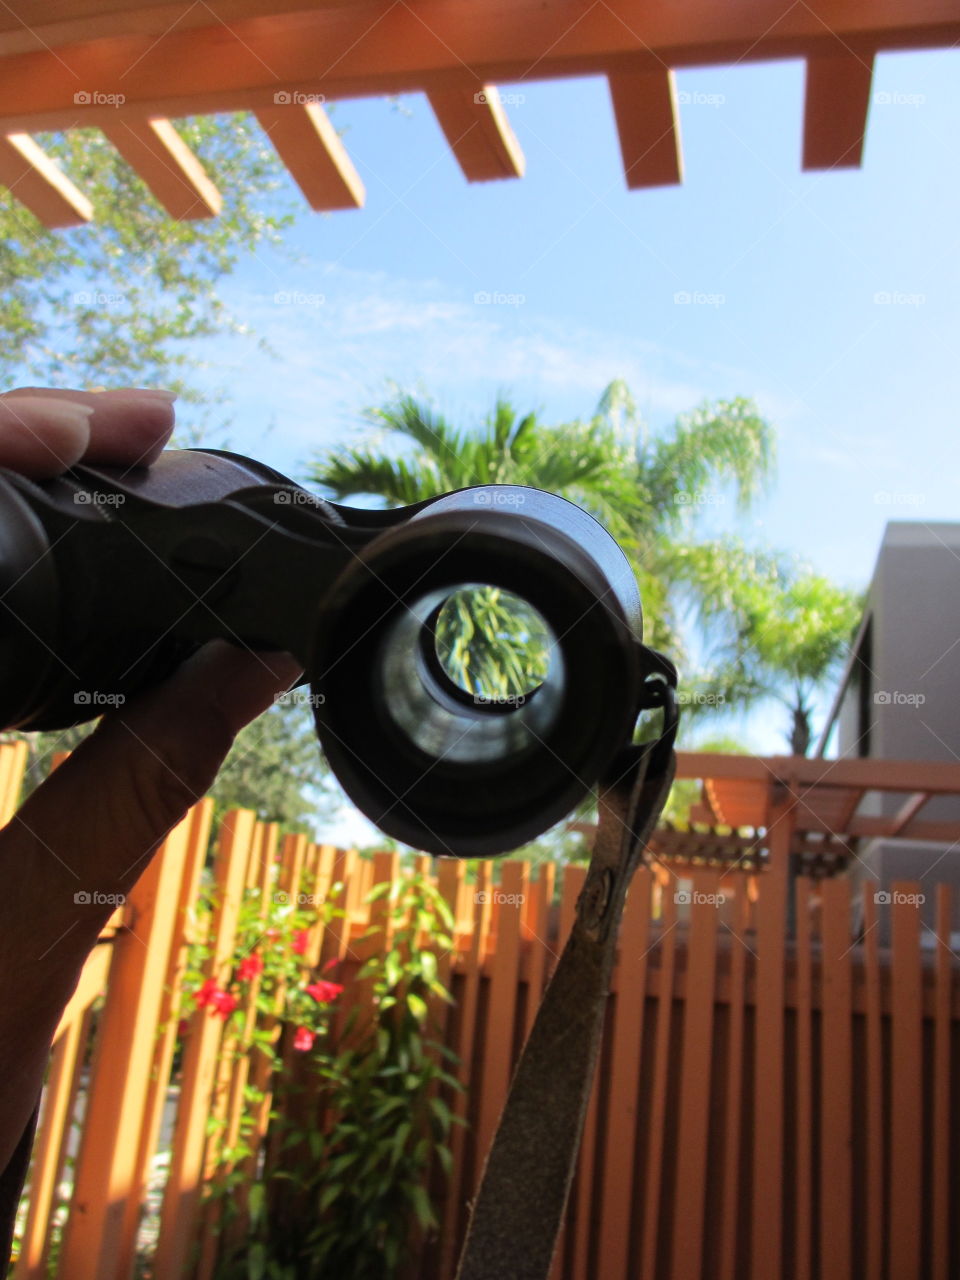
x,y
42,437
128,427
94,823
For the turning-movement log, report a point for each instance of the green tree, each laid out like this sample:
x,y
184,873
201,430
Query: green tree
x,y
649,491
124,299
275,768
782,632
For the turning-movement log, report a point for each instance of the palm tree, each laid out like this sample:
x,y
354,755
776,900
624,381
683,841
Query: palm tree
x,y
649,492
781,633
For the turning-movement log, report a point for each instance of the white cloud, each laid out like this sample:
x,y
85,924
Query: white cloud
x,y
343,336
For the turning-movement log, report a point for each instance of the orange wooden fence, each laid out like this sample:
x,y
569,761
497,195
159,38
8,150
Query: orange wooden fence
x,y
766,1105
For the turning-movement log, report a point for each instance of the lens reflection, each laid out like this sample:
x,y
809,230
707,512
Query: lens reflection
x,y
445,719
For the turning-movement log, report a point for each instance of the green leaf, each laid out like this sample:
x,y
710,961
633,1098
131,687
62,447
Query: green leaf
x,y
329,1194
421,1207
255,1200
416,1006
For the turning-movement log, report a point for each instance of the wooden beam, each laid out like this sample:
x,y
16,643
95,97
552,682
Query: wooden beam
x,y
308,145
645,106
38,182
835,109
373,47
155,150
475,125
934,776
908,811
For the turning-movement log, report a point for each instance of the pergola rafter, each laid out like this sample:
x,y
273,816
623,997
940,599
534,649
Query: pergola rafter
x,y
118,64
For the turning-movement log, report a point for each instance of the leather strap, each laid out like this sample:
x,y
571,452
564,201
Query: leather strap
x,y
519,1208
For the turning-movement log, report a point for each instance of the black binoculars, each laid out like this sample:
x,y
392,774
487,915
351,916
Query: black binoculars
x,y
109,579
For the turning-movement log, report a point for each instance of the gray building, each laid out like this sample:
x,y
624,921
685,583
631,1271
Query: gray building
x,y
900,694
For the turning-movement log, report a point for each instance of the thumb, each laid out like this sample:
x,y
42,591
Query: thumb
x,y
95,821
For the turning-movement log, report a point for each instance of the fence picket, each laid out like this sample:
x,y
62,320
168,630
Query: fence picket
x,y
696,1065
906,1120
181,1199
803,1111
875,1223
836,1083
651,1185
733,1146
940,1171
768,1144
107,1175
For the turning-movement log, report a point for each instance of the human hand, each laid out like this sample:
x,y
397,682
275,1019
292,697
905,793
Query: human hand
x,y
94,824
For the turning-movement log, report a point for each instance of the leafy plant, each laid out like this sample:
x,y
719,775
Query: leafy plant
x,y
360,1118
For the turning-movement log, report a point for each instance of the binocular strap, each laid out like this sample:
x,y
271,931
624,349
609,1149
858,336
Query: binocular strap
x,y
517,1214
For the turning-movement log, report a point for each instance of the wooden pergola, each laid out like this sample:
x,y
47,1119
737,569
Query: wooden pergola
x,y
130,68
756,808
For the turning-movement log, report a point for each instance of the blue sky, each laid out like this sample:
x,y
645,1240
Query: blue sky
x,y
788,268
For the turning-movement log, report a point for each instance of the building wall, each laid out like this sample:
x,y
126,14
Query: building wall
x,y
902,700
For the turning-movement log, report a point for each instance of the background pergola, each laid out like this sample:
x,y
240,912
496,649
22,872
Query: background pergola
x,y
64,64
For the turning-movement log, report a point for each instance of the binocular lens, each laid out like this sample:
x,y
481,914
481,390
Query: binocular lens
x,y
436,711
476,672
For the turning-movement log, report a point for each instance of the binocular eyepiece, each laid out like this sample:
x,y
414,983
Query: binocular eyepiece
x,y
109,579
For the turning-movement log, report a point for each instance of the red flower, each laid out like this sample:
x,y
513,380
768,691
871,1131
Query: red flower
x,y
224,1003
323,992
206,993
331,964
300,941
183,1026
221,1002
303,1040
250,966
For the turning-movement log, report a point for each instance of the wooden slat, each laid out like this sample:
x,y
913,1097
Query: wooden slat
x,y
476,127
158,154
767,1217
732,1195
573,881
460,1187
201,818
645,107
308,145
49,1148
106,1173
371,49
875,1155
653,1188
908,811
836,1083
13,762
693,1130
501,1011
803,1121
182,1194
541,956
40,184
835,109
940,1208
906,1137
580,1205
617,1191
